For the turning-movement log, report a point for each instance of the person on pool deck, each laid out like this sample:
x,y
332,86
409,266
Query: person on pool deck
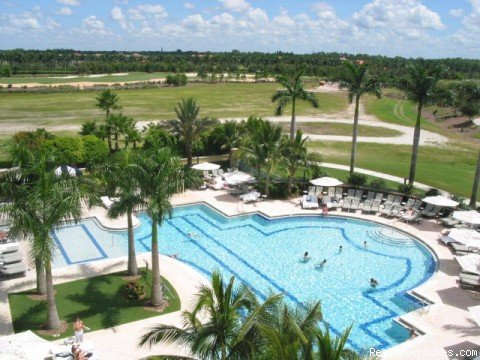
x,y
306,257
373,282
78,327
325,209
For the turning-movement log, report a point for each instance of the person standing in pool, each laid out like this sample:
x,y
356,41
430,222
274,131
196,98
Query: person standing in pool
x,y
306,257
365,244
373,282
340,249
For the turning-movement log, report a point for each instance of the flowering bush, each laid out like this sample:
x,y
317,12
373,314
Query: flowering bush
x,y
134,290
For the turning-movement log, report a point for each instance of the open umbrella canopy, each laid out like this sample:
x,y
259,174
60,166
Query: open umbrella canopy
x,y
468,237
237,177
67,170
470,217
326,181
440,200
475,311
24,345
206,166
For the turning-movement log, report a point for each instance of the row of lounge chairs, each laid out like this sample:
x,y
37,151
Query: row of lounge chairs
x,y
11,260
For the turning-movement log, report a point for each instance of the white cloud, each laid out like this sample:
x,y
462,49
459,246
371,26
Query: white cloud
x,y
69,2
257,15
283,19
24,22
456,12
399,15
117,15
188,5
195,21
324,11
157,10
52,24
64,11
235,5
92,23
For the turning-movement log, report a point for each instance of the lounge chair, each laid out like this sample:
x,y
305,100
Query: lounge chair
x,y
347,203
447,240
390,200
329,202
310,202
417,204
13,269
351,193
331,192
379,197
409,203
432,212
9,248
469,280
460,249
375,207
11,258
220,172
398,200
358,194
206,175
355,205
311,190
367,206
386,209
415,217
449,221
371,195
338,193
215,173
107,202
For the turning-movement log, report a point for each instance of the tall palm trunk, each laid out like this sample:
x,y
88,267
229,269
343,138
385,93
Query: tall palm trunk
x,y
416,141
109,140
132,260
473,198
41,280
157,294
293,125
354,135
188,150
53,320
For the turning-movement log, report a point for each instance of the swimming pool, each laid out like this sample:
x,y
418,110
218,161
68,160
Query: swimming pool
x,y
265,254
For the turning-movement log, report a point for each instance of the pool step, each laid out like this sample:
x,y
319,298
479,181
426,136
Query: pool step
x,y
379,236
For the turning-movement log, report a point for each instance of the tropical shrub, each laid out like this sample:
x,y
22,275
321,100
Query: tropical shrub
x,y
357,179
134,290
432,192
68,150
378,184
155,137
405,189
95,151
176,79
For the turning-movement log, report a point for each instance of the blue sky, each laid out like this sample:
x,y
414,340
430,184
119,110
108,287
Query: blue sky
x,y
412,28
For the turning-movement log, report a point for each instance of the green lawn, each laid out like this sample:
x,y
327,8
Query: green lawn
x,y
451,168
98,301
216,100
323,128
56,79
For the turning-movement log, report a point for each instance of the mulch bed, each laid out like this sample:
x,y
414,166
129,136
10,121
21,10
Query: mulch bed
x,y
61,330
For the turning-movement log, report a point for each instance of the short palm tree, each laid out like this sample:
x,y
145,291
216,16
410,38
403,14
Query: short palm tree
x,y
294,90
159,173
188,126
122,182
229,136
228,329
119,125
329,348
89,128
357,82
419,85
107,101
294,155
40,201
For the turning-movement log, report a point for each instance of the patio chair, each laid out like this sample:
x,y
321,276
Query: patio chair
x,y
339,193
371,195
386,209
358,194
415,217
215,173
447,240
9,248
469,280
220,172
347,203
432,213
327,200
379,197
355,205
390,200
398,200
449,221
460,249
206,175
427,209
311,190
375,207
409,203
309,202
331,192
11,258
367,206
13,269
351,193
417,204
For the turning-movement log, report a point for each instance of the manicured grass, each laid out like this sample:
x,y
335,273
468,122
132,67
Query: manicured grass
x,y
56,79
323,128
215,100
98,301
450,168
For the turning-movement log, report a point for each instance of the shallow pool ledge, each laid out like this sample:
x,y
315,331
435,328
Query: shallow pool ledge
x,y
118,224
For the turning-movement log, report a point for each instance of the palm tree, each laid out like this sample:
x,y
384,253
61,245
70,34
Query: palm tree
x,y
229,136
419,85
294,155
121,181
334,349
188,126
89,128
294,90
119,124
476,179
159,173
107,100
228,329
40,202
358,83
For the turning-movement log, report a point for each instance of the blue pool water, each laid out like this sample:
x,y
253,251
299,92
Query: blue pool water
x,y
265,254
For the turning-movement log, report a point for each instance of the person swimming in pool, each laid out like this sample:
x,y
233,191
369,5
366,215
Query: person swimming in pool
x,y
321,264
306,257
365,244
373,282
340,249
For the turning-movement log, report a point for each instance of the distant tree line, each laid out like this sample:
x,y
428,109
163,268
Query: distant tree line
x,y
236,63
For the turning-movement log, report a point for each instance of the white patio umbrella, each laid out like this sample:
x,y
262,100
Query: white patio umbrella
x,y
326,181
440,200
471,217
24,345
469,263
475,311
64,169
206,166
237,177
468,237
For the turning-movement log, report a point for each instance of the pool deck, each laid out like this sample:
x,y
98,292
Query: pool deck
x,y
447,324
